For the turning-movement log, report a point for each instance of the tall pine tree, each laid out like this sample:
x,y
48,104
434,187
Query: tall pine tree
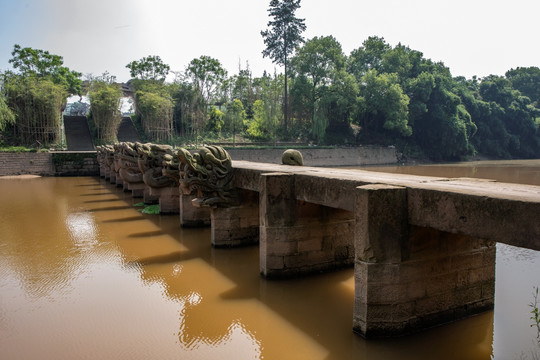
x,y
281,39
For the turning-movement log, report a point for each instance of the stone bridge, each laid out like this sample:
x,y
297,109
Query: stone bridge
x,y
423,248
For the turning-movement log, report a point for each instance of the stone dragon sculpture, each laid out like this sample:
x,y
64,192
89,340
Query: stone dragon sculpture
x,y
151,164
108,151
210,173
127,158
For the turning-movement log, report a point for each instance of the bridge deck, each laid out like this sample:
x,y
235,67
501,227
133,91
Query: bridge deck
x,y
503,212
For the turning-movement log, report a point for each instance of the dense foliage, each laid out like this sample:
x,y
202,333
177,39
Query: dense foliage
x,y
104,110
37,105
149,68
155,110
378,94
32,97
7,117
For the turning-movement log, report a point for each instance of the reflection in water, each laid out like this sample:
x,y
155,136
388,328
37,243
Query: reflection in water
x,y
82,229
84,275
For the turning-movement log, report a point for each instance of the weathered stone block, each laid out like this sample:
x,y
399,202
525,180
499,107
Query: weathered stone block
x,y
381,223
229,219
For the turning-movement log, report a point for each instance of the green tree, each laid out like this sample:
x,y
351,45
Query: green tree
x,y
149,68
7,117
512,126
341,104
281,39
444,128
323,91
37,106
368,57
156,114
235,116
188,113
527,81
42,64
241,87
385,106
215,120
104,110
268,89
256,126
207,75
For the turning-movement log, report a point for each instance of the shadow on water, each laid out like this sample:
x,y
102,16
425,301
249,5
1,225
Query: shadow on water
x,y
148,234
96,194
172,257
100,201
320,306
110,208
124,219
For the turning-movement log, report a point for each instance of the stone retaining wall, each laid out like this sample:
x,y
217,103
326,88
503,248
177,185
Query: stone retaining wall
x,y
350,156
82,163
49,164
26,164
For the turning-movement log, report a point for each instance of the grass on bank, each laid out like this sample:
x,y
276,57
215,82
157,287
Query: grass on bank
x,y
21,149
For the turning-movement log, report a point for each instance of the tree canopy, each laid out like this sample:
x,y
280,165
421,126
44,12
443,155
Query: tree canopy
x,y
378,94
42,64
149,68
282,37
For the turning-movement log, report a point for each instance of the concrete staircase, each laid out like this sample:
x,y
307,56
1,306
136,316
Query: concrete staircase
x,y
127,131
78,136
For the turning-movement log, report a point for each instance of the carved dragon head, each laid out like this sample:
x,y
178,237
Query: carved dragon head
x,y
209,172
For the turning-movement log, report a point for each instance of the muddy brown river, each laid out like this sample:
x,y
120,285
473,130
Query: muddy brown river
x,y
85,275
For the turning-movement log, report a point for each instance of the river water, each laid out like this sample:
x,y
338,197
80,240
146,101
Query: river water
x,y
84,275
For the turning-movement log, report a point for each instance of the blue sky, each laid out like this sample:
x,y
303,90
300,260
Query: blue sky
x,y
473,37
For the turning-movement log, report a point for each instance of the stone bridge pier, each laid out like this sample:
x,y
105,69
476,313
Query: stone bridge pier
x,y
298,237
406,277
409,277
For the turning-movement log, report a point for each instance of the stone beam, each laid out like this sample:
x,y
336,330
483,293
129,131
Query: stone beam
x,y
486,216
501,212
